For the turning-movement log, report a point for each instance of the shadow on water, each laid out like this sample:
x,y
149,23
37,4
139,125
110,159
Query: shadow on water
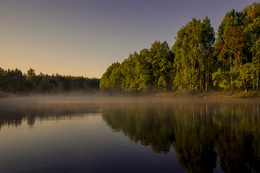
x,y
202,134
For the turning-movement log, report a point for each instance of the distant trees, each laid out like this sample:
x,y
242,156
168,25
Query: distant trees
x,y
196,62
14,81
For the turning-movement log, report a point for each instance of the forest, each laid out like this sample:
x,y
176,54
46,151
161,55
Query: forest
x,y
14,81
199,60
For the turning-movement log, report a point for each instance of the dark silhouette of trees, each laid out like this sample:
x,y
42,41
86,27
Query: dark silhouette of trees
x,y
14,81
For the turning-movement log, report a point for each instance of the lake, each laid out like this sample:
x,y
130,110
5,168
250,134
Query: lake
x,y
129,135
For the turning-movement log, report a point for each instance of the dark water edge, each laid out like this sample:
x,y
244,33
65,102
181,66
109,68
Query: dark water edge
x,y
129,135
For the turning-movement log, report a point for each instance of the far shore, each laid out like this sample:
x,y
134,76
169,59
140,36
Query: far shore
x,y
170,94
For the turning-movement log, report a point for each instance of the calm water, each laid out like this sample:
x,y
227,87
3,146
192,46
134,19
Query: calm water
x,y
186,136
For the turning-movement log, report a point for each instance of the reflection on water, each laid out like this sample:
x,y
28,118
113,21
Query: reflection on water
x,y
201,134
13,114
204,136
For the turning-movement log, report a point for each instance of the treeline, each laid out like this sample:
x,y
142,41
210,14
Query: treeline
x,y
14,81
197,61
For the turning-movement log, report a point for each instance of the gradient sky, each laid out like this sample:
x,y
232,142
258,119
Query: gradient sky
x,y
84,37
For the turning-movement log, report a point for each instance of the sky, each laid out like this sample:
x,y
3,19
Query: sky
x,y
84,37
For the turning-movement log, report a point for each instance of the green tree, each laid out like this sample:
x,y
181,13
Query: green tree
x,y
109,80
162,63
221,79
253,33
151,69
193,55
231,43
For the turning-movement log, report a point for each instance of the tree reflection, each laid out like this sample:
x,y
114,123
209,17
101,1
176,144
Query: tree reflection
x,y
14,114
237,137
202,134
143,124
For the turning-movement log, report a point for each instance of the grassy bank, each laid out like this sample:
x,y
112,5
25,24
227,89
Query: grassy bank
x,y
212,94
169,94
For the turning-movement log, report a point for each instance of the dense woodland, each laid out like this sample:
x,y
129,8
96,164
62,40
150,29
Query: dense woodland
x,y
198,60
14,81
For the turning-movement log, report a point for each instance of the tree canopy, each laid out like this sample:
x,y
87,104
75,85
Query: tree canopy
x,y
151,69
197,61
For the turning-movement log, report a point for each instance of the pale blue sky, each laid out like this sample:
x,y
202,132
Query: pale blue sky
x,y
83,37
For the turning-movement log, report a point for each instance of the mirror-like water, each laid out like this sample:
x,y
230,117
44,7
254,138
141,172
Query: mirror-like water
x,y
134,137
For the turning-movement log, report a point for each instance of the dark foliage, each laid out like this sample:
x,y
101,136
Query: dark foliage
x,y
14,81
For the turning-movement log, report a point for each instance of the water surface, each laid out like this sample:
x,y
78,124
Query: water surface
x,y
129,136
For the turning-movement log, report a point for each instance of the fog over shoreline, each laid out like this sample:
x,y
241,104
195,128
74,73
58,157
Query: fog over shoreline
x,y
80,98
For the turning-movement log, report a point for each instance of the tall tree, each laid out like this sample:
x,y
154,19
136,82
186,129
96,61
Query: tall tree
x,y
206,51
193,55
253,33
231,43
162,63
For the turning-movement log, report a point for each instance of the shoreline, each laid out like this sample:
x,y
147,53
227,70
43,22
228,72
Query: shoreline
x,y
212,94
169,94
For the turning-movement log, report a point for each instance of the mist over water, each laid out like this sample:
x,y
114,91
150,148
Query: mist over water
x,y
75,133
